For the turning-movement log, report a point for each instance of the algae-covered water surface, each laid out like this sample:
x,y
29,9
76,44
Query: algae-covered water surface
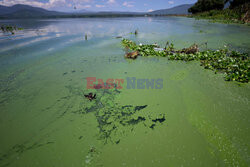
x,y
190,116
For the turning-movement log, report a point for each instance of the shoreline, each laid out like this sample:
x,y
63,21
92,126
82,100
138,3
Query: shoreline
x,y
93,16
194,16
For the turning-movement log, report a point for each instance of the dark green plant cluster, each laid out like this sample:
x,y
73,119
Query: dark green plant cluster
x,y
11,29
234,14
224,16
236,3
144,50
234,64
206,5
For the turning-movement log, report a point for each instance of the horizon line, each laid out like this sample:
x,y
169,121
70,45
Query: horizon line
x,y
97,10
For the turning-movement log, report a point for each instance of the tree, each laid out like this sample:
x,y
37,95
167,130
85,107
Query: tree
x,y
206,5
236,3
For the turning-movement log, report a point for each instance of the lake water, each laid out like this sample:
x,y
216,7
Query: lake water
x,y
196,119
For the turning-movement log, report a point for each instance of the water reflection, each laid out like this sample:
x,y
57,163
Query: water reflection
x,y
182,31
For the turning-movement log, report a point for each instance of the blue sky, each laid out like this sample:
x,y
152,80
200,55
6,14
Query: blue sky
x,y
100,5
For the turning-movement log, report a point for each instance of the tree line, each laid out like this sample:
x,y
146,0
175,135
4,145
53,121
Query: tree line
x,y
207,5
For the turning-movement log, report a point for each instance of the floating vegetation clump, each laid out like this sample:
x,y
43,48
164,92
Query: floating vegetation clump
x,y
90,96
8,28
86,37
234,64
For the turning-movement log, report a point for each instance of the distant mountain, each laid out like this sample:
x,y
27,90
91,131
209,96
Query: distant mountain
x,y
84,11
4,10
79,11
227,5
120,13
177,10
25,11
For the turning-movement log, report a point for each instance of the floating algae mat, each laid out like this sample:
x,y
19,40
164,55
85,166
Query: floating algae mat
x,y
49,117
114,120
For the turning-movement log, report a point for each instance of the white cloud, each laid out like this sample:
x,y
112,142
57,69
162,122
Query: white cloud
x,y
25,2
86,6
128,4
99,6
150,10
171,2
80,1
50,4
111,1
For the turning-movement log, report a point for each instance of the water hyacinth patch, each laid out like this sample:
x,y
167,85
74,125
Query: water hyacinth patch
x,y
8,28
234,64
